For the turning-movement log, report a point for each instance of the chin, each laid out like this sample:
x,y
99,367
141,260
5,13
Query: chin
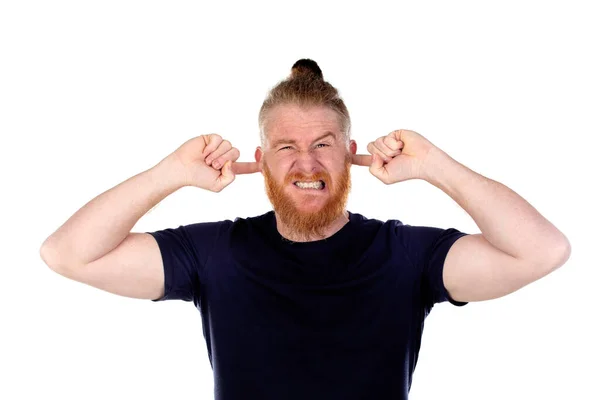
x,y
309,203
308,206
309,210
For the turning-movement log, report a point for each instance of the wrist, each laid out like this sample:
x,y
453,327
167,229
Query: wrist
x,y
435,164
171,172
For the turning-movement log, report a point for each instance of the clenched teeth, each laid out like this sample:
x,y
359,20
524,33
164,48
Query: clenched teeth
x,y
310,185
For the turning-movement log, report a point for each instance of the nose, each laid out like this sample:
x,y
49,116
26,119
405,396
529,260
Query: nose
x,y
306,162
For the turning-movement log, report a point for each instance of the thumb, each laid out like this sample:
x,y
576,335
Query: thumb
x,y
227,176
377,169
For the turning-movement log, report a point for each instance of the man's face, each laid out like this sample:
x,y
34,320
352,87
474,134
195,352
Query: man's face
x,y
306,166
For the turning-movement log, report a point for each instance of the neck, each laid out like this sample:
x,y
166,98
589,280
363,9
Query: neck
x,y
329,231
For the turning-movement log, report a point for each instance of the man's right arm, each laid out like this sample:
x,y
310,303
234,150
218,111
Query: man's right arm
x,y
96,245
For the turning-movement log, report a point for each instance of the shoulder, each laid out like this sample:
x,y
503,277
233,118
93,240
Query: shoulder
x,y
225,227
228,224
245,229
261,222
212,228
361,220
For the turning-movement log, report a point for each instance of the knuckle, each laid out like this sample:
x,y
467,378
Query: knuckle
x,y
391,143
214,142
210,138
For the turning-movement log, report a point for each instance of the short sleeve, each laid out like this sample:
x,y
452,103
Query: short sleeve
x,y
184,252
427,248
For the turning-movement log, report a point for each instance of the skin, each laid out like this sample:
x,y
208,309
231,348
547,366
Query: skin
x,y
516,246
306,145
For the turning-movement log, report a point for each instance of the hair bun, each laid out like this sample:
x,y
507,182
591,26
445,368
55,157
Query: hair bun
x,y
306,67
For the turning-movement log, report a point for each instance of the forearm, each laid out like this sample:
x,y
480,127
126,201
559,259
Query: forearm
x,y
104,222
505,219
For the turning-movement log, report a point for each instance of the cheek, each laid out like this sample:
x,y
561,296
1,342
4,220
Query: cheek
x,y
278,171
334,164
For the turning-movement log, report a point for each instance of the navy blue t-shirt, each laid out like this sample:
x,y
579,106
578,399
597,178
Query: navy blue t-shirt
x,y
339,318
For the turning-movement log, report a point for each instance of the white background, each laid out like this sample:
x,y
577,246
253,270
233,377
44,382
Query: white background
x,y
92,93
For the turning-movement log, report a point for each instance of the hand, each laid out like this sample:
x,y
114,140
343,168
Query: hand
x,y
208,162
397,157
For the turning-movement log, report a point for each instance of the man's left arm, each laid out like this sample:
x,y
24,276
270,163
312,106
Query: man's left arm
x,y
516,246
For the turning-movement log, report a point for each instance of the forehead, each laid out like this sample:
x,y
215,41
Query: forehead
x,y
291,122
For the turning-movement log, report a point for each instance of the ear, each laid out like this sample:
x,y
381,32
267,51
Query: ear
x,y
353,146
258,156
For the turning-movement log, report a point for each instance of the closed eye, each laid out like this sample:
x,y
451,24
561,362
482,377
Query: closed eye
x,y
289,147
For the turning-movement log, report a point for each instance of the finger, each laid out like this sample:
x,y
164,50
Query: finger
x,y
223,148
393,143
374,150
231,155
385,149
227,176
362,159
397,134
245,167
214,141
377,168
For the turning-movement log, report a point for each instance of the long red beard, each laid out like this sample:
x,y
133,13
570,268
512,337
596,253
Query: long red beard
x,y
313,223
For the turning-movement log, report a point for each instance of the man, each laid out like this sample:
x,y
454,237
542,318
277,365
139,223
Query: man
x,y
309,300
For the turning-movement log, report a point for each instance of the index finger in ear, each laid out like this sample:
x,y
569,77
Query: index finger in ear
x,y
245,167
362,159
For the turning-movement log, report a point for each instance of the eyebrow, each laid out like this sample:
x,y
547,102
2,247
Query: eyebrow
x,y
290,141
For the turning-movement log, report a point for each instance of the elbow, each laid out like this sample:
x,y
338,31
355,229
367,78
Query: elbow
x,y
50,257
550,257
564,252
46,254
558,254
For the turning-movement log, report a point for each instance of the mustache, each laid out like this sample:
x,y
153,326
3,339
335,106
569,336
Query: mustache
x,y
317,176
